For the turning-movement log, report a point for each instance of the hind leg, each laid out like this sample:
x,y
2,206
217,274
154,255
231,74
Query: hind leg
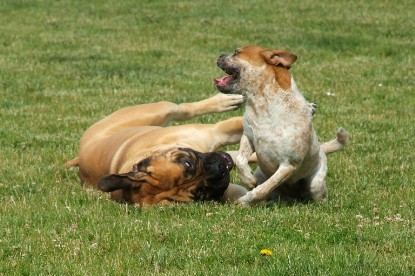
x,y
316,188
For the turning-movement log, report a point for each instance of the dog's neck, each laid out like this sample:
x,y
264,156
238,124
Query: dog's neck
x,y
276,101
273,90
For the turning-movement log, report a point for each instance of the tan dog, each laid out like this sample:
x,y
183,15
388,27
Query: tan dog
x,y
139,159
277,126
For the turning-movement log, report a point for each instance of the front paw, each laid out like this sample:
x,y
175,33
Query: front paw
x,y
243,200
247,200
227,102
313,108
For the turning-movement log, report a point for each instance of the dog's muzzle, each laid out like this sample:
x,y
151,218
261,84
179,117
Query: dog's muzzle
x,y
217,167
225,84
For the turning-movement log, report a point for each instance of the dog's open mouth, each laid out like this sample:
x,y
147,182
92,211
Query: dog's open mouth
x,y
227,83
233,75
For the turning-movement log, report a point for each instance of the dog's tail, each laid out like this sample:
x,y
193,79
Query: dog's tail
x,y
336,144
72,163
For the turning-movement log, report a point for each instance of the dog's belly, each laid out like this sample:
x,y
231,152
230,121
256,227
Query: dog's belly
x,y
269,166
275,146
273,150
280,140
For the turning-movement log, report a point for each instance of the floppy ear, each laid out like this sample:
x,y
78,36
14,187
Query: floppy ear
x,y
277,57
114,182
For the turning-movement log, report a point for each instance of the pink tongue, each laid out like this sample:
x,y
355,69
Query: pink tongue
x,y
222,81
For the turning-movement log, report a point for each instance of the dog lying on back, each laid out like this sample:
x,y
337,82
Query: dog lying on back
x,y
135,155
277,126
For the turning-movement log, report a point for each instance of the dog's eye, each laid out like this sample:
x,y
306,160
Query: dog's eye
x,y
187,164
235,53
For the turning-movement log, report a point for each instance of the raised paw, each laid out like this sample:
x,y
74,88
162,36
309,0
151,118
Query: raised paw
x,y
313,108
226,102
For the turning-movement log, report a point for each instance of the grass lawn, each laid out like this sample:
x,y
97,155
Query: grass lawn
x,y
66,64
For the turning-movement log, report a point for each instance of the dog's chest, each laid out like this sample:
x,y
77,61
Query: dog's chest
x,y
277,137
268,125
266,132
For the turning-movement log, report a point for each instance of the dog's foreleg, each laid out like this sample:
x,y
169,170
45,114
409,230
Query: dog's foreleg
x,y
215,104
246,149
261,192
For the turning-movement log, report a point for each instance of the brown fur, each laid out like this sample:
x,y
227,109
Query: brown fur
x,y
134,155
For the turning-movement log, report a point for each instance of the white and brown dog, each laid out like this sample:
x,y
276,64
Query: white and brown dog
x,y
277,125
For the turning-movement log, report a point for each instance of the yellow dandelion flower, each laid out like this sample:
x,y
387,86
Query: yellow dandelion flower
x,y
266,252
